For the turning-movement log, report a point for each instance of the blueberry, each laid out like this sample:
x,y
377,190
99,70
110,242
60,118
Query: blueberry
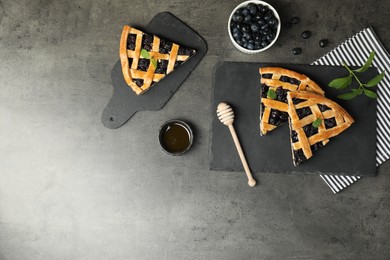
x,y
239,42
257,36
294,136
237,35
264,26
257,46
245,11
273,22
263,9
261,22
245,28
243,39
264,44
295,20
296,51
235,29
248,19
330,123
323,43
255,27
268,16
270,36
306,34
245,45
250,46
266,31
258,16
252,8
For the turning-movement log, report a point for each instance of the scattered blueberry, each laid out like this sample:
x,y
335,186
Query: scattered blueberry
x,y
323,43
296,51
295,20
306,34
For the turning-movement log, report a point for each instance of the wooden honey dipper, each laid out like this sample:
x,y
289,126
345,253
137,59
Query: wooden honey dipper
x,y
226,116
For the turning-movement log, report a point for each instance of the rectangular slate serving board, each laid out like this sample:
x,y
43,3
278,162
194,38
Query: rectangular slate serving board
x,y
351,153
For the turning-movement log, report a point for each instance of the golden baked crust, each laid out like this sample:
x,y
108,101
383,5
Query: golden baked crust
x,y
273,112
141,80
304,108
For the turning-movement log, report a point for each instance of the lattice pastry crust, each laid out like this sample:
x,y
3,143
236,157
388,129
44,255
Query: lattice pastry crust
x,y
273,112
139,72
303,109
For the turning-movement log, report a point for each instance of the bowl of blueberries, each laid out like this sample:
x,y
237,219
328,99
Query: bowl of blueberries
x,y
254,26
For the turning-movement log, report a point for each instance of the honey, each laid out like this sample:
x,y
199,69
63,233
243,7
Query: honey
x,y
175,138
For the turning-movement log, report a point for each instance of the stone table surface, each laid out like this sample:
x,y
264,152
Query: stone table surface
x,y
72,189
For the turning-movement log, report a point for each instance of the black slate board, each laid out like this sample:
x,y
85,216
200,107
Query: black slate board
x,y
124,102
351,153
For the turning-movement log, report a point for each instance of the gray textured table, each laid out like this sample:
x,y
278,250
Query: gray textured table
x,y
72,189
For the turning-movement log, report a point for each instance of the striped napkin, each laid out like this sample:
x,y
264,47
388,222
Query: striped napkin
x,y
354,52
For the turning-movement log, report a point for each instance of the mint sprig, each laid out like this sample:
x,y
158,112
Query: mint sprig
x,y
316,123
271,94
145,54
344,82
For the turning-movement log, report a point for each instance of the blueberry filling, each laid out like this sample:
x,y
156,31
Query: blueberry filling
x,y
299,157
303,112
165,46
330,123
185,51
277,117
316,146
310,130
264,90
147,42
298,100
143,64
131,41
177,63
139,82
294,136
130,61
294,81
162,66
323,107
267,76
281,94
284,79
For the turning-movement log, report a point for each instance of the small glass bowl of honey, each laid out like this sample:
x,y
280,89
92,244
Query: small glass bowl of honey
x,y
175,137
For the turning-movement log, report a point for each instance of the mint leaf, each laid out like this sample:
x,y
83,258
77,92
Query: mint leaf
x,y
358,91
367,64
145,54
341,83
348,95
374,81
271,94
154,63
317,122
370,94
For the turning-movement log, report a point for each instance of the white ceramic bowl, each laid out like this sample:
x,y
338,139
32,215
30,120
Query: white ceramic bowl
x,y
277,30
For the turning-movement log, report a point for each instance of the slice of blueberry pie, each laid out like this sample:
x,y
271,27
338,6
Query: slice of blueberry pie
x,y
146,59
313,120
275,83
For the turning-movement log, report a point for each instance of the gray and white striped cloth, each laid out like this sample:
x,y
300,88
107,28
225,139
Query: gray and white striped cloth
x,y
354,52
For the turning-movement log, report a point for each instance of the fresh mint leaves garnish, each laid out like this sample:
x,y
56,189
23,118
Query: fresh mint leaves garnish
x,y
145,54
316,123
344,82
271,94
